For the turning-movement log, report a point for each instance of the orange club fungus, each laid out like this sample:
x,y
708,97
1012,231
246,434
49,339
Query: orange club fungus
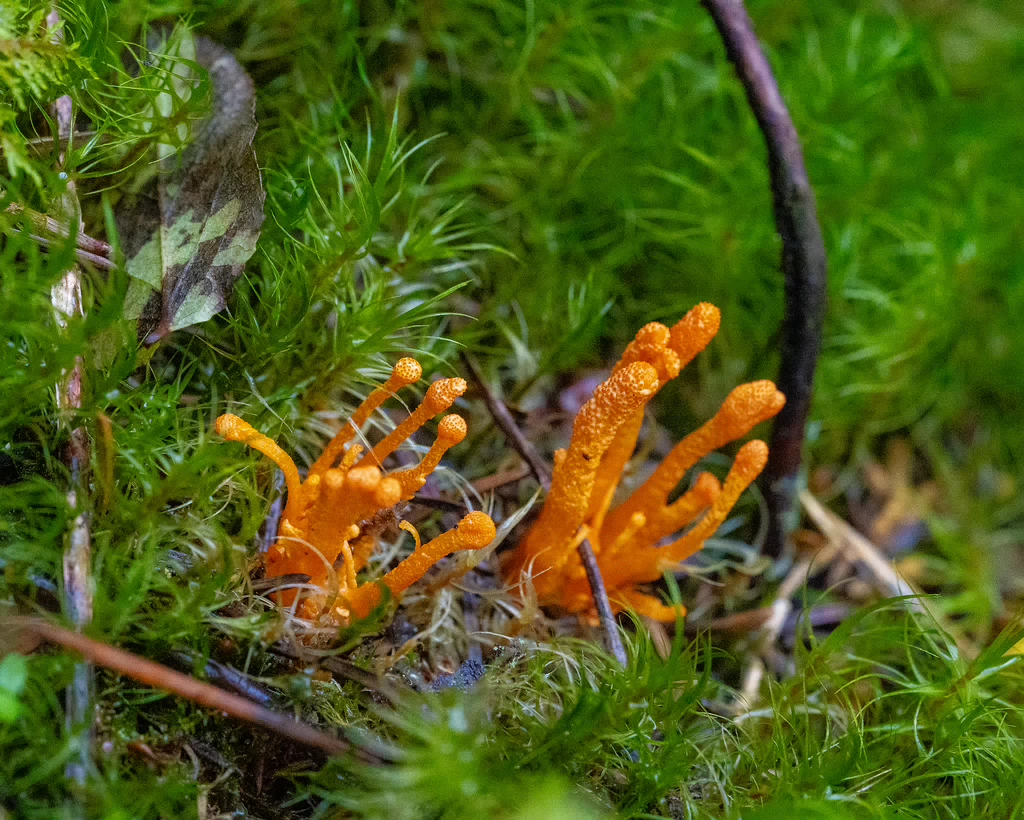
x,y
324,530
629,539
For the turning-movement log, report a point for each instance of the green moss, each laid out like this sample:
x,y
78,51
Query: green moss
x,y
532,181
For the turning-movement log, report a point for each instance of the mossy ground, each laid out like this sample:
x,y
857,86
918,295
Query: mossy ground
x,y
532,182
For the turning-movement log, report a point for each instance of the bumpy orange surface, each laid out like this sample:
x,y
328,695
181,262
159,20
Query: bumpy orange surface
x,y
628,539
324,532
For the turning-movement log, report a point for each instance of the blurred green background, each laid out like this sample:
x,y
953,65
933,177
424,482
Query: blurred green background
x,y
610,149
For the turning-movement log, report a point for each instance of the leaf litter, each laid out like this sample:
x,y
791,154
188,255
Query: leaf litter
x,y
189,233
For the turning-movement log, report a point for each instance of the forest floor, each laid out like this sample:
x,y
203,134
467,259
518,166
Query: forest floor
x,y
506,192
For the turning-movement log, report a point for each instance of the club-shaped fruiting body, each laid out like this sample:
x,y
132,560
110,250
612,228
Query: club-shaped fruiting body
x,y
323,532
626,538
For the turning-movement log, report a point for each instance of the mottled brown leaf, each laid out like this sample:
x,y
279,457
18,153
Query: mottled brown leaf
x,y
187,237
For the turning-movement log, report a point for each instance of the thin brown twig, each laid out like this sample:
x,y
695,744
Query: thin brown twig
x,y
503,479
223,676
507,425
391,692
47,232
166,679
442,504
55,229
265,586
603,605
45,144
804,263
271,524
87,257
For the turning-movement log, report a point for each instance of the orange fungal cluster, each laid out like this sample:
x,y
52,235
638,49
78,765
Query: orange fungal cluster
x,y
628,539
324,531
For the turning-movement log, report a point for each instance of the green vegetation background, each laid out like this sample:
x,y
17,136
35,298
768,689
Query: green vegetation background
x,y
562,172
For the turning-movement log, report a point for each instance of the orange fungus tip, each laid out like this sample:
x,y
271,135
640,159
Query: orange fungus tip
x,y
748,405
707,485
651,345
452,429
442,394
362,479
231,426
751,459
703,320
640,378
334,479
653,334
407,371
695,330
476,531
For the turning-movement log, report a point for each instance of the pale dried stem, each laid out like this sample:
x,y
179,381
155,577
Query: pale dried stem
x,y
843,541
66,297
781,607
887,579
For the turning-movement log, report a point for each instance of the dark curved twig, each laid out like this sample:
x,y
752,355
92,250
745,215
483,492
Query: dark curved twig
x,y
803,263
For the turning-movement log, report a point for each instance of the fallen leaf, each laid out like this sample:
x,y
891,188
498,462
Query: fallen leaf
x,y
187,237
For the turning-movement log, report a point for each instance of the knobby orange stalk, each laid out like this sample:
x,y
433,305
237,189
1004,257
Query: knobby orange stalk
x,y
626,538
324,532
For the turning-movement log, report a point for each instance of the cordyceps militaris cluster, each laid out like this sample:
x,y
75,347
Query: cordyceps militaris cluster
x,y
627,540
325,530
